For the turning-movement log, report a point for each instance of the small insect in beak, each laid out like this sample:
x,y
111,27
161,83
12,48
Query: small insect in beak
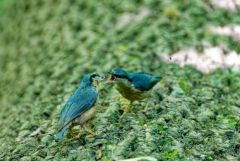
x,y
98,80
101,78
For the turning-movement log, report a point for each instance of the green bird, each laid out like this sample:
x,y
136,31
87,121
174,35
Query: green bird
x,y
133,86
80,107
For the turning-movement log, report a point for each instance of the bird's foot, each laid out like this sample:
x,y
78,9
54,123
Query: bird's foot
x,y
74,137
125,105
144,110
126,109
90,132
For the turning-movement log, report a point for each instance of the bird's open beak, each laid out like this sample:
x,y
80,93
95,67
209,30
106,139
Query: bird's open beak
x,y
111,78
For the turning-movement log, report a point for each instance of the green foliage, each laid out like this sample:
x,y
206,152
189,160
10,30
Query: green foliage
x,y
185,86
47,46
170,155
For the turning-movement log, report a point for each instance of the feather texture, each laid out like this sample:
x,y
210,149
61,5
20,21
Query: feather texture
x,y
143,81
133,86
83,99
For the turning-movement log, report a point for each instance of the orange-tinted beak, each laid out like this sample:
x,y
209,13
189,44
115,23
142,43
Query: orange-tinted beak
x,y
111,78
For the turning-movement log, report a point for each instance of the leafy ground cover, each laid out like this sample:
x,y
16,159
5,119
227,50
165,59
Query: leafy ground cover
x,y
47,46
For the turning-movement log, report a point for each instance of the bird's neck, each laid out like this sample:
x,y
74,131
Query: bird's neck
x,y
130,77
85,84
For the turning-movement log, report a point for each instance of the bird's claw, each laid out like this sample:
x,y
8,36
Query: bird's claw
x,y
90,132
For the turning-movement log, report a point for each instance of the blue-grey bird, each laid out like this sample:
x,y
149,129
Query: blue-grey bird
x,y
133,86
80,107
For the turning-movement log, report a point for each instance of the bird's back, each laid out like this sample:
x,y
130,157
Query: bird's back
x,y
143,81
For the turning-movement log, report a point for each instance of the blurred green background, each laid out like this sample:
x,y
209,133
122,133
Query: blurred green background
x,y
46,46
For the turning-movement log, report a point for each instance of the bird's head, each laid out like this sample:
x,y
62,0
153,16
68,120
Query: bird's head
x,y
92,79
117,74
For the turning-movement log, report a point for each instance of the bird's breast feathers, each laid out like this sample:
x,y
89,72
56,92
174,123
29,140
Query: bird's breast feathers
x,y
86,116
128,91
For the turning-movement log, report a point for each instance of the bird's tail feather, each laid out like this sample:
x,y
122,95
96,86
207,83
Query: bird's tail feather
x,y
155,80
61,132
158,78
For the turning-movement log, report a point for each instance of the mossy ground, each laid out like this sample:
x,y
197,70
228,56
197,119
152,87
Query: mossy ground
x,y
47,46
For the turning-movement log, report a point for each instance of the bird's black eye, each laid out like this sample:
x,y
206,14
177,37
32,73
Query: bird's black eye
x,y
119,76
93,76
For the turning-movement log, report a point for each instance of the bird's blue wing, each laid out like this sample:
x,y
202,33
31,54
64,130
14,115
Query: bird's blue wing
x,y
82,100
140,81
68,105
143,81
